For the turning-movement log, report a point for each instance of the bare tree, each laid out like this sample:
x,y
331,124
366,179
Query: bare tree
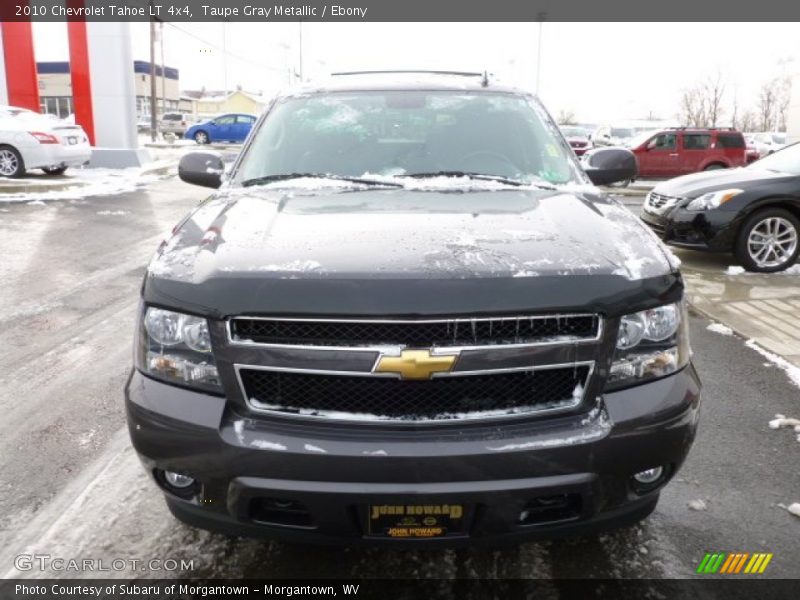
x,y
713,90
747,121
768,103
784,97
693,107
566,117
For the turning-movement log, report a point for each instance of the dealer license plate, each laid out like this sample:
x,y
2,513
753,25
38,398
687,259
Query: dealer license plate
x,y
72,141
416,520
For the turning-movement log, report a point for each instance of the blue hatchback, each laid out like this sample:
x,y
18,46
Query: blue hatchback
x,y
223,128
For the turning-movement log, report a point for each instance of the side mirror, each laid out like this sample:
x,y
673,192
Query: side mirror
x,y
610,165
202,168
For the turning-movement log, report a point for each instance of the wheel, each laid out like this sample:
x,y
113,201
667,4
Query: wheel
x,y
714,167
11,163
201,137
768,241
55,170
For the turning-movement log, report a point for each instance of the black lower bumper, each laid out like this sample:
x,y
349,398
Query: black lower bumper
x,y
545,479
713,231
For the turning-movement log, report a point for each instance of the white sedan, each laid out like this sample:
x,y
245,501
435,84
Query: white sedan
x,y
29,140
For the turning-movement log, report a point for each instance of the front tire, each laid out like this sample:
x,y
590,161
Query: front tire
x,y
768,241
54,170
715,167
11,163
201,137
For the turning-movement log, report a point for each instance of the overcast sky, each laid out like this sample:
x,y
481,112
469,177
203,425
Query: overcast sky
x,y
600,71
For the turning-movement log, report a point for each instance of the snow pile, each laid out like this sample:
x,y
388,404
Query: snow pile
x,y
88,182
720,328
697,504
780,421
791,370
735,270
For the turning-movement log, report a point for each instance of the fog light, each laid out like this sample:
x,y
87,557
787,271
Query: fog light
x,y
178,480
649,476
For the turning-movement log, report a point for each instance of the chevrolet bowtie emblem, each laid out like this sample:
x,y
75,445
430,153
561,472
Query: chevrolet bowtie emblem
x,y
415,364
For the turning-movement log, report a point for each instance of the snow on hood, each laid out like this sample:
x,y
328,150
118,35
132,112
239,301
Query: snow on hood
x,y
399,233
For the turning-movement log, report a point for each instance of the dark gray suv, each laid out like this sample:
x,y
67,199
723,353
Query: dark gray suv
x,y
407,315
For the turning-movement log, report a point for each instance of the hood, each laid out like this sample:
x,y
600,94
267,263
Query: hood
x,y
263,242
697,184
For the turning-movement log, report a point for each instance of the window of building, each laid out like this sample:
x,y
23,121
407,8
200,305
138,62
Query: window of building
x,y
60,106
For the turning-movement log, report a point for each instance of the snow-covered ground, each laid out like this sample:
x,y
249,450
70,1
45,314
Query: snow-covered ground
x,y
81,183
737,270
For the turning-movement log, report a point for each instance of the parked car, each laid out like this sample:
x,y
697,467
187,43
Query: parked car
x,y
29,140
753,212
766,143
752,153
175,122
678,151
606,135
223,128
409,315
577,138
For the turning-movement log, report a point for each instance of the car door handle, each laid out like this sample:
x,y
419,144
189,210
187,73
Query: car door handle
x,y
674,154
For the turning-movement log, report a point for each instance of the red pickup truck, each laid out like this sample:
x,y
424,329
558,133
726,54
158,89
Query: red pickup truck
x,y
678,151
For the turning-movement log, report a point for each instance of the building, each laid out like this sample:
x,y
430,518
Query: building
x,y
208,104
55,88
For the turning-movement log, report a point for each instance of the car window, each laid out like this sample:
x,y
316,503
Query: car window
x,y
226,120
786,160
665,141
621,132
730,140
696,141
394,133
245,119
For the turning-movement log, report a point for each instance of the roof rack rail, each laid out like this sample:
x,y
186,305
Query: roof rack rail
x,y
483,75
704,128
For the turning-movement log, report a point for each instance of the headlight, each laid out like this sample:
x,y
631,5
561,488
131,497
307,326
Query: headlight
x,y
650,344
712,200
176,348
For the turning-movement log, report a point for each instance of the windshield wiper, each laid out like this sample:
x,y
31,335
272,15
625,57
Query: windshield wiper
x,y
287,176
481,177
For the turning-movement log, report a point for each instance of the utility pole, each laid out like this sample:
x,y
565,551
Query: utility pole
x,y
163,69
225,58
540,17
153,96
300,49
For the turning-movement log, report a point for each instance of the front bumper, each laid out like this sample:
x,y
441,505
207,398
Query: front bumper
x,y
335,473
713,230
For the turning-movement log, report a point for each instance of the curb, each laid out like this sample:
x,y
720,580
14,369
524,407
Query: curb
x,y
40,188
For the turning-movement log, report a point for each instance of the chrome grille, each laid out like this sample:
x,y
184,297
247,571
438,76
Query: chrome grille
x,y
423,333
660,203
439,399
331,369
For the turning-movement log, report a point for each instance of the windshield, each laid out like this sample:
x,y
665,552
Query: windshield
x,y
574,132
409,133
786,160
621,132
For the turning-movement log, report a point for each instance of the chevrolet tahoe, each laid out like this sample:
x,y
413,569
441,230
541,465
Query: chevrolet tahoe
x,y
406,315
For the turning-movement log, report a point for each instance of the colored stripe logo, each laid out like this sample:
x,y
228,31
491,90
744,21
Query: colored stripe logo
x,y
734,563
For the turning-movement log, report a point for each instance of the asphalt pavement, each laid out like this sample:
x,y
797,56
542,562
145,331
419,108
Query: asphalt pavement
x,y
71,486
